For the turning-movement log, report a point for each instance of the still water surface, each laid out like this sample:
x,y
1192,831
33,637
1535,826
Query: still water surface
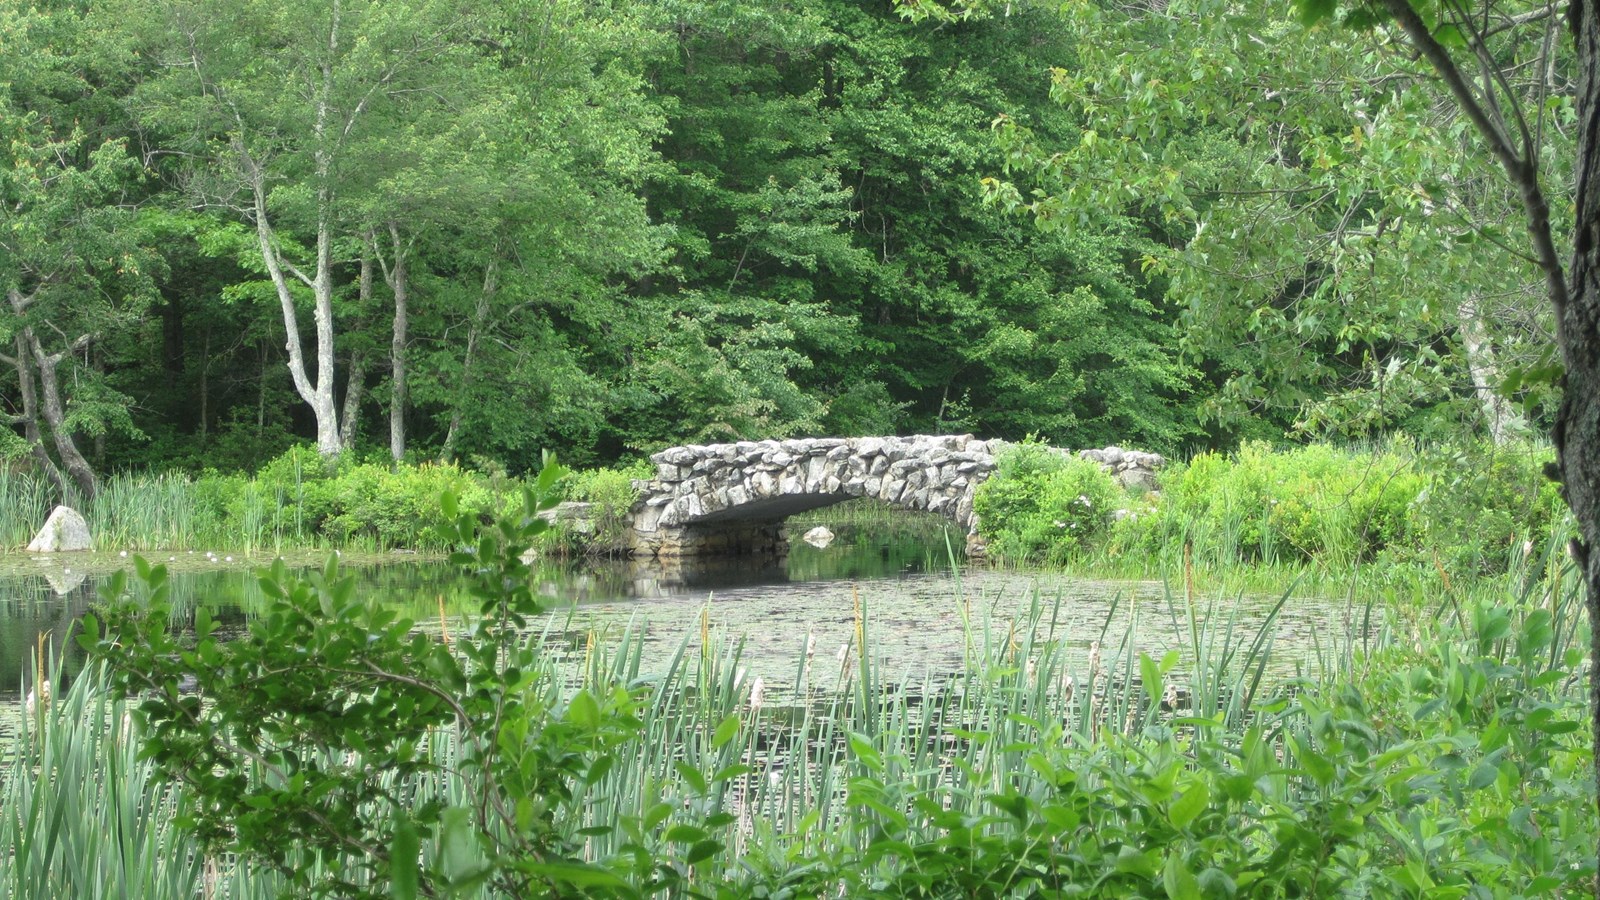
x,y
917,604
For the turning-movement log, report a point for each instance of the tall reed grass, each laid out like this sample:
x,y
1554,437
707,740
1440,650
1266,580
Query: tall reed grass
x,y
294,503
25,501
83,816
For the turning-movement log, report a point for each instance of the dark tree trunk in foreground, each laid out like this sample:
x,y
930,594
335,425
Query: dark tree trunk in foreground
x,y
1577,431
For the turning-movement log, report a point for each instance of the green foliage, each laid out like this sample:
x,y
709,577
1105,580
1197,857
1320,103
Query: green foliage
x,y
1488,506
836,270
400,508
1437,760
707,219
1317,502
1301,242
296,500
1041,504
1466,511
316,742
611,496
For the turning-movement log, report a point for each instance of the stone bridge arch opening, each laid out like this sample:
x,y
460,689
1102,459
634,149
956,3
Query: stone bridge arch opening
x,y
735,498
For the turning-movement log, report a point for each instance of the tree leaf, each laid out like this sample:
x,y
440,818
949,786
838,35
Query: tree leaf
x,y
1190,804
404,861
1178,881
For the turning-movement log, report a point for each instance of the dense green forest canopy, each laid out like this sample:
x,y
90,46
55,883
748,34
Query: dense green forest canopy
x,y
478,230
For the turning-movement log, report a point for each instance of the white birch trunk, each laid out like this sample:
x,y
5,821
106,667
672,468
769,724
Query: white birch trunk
x,y
1500,418
397,346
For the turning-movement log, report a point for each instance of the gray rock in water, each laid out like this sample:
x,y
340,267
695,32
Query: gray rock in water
x,y
64,531
818,537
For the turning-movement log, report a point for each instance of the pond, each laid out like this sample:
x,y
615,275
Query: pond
x,y
923,607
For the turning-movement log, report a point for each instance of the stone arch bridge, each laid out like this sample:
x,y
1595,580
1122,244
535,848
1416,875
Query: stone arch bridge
x,y
734,498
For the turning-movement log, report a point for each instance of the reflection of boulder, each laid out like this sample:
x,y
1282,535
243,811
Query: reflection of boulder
x,y
64,531
818,537
64,583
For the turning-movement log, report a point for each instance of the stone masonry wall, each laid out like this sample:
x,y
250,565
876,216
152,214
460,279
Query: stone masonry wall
x,y
729,498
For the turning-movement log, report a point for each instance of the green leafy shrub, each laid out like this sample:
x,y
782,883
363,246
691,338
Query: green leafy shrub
x,y
1462,510
1041,504
604,529
397,508
1485,504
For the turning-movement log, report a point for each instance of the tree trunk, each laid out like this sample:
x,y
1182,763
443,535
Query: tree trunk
x,y
99,439
355,387
56,417
322,281
205,387
318,396
261,397
480,317
1577,429
1500,418
30,416
397,346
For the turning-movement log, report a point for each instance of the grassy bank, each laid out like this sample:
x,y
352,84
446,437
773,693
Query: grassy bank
x,y
294,502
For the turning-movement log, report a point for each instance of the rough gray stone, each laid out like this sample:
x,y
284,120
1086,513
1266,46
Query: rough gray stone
x,y
936,472
892,489
815,467
65,531
1137,479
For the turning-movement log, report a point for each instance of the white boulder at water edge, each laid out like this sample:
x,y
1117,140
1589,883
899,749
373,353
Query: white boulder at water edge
x,y
64,531
819,537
